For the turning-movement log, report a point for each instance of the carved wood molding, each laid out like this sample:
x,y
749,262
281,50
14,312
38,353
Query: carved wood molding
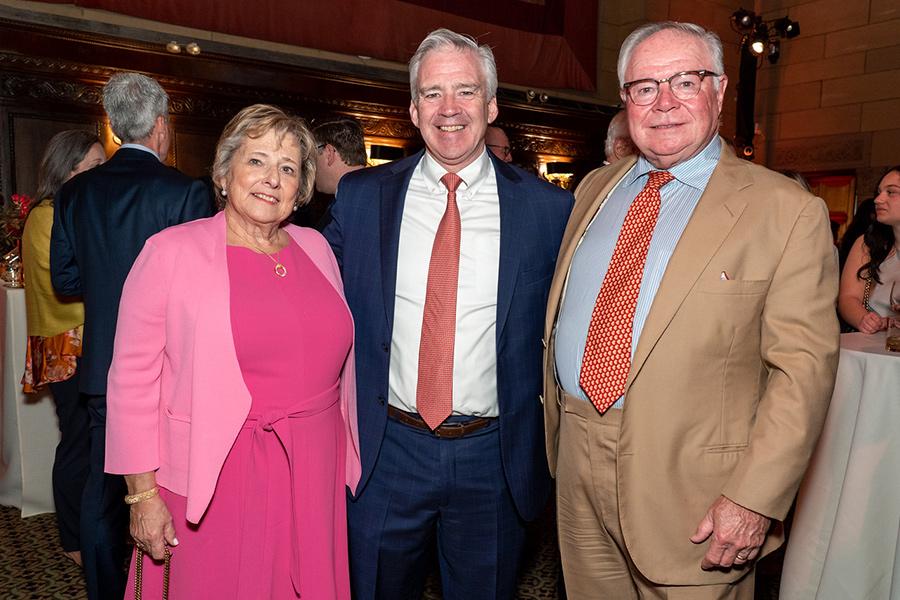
x,y
391,121
823,153
550,146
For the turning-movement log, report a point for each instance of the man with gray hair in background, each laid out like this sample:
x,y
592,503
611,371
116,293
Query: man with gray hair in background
x,y
101,220
618,141
447,257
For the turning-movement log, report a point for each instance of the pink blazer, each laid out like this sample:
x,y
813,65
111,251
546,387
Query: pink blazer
x,y
176,399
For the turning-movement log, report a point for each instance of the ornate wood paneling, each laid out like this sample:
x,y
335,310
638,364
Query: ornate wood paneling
x,y
50,75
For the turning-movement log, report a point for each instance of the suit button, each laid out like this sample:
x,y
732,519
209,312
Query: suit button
x,y
385,347
381,400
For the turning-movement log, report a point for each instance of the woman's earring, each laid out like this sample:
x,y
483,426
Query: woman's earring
x,y
224,193
296,206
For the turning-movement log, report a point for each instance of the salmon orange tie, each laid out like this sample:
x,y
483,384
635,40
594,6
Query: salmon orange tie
x,y
434,391
607,351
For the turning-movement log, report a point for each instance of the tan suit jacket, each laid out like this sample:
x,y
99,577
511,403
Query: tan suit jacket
x,y
731,379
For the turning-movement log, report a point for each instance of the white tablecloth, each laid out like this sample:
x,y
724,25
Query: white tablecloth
x,y
845,542
29,431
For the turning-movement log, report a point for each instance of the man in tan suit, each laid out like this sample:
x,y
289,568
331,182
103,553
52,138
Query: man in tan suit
x,y
692,344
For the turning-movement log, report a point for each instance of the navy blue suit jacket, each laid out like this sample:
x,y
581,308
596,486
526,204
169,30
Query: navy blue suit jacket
x,y
101,220
364,234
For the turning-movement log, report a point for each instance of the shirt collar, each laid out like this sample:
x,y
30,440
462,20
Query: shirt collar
x,y
472,175
141,147
694,172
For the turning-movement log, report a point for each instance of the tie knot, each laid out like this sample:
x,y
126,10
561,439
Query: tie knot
x,y
658,179
451,181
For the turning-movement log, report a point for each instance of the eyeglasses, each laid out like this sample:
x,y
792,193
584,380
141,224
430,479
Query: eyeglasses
x,y
320,146
684,85
504,150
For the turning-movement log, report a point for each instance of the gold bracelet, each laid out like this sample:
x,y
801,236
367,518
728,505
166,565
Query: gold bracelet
x,y
141,496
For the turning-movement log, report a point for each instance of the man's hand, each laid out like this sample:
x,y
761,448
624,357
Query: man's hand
x,y
737,534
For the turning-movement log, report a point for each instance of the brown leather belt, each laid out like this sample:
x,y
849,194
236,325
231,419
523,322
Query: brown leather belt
x,y
447,430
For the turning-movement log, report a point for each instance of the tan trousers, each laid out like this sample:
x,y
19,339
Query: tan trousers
x,y
595,561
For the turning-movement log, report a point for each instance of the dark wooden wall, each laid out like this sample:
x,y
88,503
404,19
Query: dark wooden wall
x,y
51,79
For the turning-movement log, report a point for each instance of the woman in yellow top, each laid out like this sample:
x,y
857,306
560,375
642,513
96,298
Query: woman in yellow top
x,y
54,330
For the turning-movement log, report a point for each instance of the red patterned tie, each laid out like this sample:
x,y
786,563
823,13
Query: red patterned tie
x,y
434,391
607,352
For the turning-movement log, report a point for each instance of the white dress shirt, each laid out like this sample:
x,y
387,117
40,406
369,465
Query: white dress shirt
x,y
475,351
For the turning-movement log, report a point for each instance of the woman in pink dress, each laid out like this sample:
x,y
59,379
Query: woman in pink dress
x,y
231,402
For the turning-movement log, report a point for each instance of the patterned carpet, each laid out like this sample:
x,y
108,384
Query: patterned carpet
x,y
33,567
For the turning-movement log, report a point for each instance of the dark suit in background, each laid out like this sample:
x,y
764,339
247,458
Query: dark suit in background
x,y
102,219
364,235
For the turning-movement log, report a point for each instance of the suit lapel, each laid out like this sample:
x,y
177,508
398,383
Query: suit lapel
x,y
589,199
716,213
514,215
393,195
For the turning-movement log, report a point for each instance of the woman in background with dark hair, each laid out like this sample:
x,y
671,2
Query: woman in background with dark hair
x,y
874,262
54,330
862,218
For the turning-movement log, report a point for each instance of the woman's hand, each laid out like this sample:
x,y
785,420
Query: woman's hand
x,y
152,527
872,322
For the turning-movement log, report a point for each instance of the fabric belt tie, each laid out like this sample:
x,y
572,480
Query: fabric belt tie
x,y
274,422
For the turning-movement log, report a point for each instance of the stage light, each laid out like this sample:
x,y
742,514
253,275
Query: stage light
x,y
786,28
743,20
759,39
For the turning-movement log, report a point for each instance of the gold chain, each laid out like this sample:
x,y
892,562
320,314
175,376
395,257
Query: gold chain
x,y
139,574
280,269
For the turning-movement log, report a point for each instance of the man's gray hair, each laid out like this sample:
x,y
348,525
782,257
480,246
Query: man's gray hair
x,y
442,39
712,41
133,102
617,129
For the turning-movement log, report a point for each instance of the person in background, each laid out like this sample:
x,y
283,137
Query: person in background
x,y
341,149
55,331
231,392
873,264
618,141
862,218
447,256
497,142
101,219
692,356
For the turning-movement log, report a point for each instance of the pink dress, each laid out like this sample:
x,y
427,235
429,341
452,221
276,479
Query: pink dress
x,y
276,526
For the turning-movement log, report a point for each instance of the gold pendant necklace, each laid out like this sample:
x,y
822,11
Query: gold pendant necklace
x,y
280,269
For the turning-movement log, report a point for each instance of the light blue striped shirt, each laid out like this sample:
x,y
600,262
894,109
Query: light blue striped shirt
x,y
678,199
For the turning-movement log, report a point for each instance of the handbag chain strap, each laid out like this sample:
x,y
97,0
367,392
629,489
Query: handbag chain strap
x,y
139,574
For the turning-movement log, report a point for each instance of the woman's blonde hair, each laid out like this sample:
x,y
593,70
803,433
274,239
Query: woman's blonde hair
x,y
256,121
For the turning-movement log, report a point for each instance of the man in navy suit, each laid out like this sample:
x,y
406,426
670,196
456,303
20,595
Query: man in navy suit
x,y
450,424
101,220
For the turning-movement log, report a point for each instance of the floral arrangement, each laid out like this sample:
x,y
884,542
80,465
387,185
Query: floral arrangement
x,y
12,220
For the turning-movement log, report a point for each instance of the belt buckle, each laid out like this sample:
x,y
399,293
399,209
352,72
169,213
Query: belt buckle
x,y
450,430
